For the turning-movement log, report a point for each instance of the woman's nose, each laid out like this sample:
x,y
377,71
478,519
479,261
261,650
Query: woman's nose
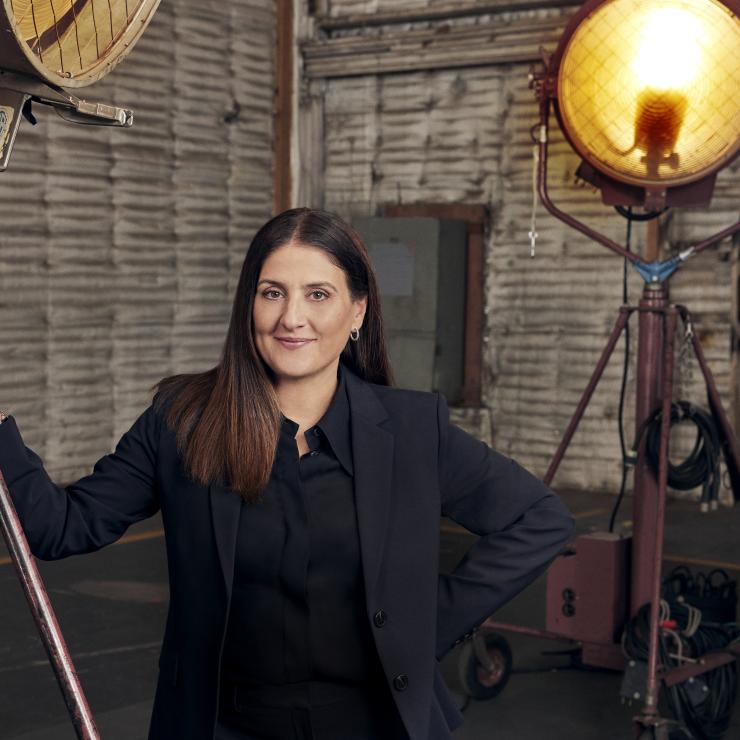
x,y
293,315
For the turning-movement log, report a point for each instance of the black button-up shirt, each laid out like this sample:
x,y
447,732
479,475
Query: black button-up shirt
x,y
298,606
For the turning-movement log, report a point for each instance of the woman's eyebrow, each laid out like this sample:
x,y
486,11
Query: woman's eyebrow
x,y
307,285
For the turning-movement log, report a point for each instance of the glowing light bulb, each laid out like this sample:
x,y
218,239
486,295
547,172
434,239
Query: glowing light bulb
x,y
669,52
649,90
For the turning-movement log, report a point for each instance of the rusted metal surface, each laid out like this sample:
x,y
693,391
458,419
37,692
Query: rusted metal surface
x,y
707,662
120,250
462,136
655,524
726,233
45,619
492,624
648,394
543,138
726,433
624,315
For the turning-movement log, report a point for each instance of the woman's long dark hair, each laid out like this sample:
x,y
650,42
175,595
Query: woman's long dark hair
x,y
227,419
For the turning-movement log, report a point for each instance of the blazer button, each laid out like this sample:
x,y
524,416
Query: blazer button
x,y
401,682
380,618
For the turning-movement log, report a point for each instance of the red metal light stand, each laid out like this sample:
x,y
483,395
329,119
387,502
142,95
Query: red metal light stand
x,y
45,619
657,320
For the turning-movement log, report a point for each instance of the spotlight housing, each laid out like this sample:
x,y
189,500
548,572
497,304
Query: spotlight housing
x,y
70,43
49,45
648,93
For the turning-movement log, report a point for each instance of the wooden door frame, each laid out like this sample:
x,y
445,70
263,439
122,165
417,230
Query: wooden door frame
x,y
283,105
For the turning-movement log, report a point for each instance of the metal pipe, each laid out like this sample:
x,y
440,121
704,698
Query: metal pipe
x,y
727,435
653,305
718,237
518,629
707,662
542,143
651,693
624,314
43,615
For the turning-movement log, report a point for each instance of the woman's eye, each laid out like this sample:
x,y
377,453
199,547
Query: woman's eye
x,y
271,293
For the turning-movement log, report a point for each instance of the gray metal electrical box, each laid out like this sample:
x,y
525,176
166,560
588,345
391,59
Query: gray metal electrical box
x,y
421,268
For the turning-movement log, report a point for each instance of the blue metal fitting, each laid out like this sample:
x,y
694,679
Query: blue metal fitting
x,y
658,272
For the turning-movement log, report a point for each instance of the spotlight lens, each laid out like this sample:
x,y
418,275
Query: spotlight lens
x,y
76,39
649,92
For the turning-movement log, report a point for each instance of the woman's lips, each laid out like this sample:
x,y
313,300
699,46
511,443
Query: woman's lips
x,y
293,343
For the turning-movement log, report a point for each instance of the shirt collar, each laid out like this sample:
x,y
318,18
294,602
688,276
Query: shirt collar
x,y
335,424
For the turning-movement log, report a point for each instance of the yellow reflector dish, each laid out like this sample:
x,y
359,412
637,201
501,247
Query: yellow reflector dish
x,y
649,91
76,40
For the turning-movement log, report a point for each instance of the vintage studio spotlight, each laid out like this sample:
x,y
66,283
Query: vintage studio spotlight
x,y
45,47
647,92
49,45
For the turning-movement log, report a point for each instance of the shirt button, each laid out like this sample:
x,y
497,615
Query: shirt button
x,y
401,682
317,432
380,618
313,454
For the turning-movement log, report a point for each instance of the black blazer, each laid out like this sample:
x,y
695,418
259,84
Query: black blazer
x,y
410,464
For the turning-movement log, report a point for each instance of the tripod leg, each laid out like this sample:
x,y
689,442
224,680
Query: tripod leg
x,y
45,619
624,314
651,694
727,436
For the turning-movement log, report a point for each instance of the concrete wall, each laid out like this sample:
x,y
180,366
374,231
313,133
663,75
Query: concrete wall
x,y
120,249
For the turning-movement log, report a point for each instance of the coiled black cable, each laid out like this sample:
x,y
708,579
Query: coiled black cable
x,y
701,466
704,706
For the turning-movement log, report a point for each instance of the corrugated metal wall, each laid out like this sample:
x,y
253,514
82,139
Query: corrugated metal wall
x,y
120,249
463,135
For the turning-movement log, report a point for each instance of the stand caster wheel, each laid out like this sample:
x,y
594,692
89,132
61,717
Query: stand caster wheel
x,y
484,665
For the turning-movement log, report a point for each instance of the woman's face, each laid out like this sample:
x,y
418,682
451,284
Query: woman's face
x,y
303,312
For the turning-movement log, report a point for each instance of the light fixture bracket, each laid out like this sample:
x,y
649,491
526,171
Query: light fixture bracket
x,y
17,91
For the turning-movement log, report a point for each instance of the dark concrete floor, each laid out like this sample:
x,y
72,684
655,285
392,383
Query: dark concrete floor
x,y
112,604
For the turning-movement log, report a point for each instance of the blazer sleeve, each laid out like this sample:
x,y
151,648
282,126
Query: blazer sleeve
x,y
522,525
94,511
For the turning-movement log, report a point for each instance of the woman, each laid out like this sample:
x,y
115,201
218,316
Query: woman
x,y
301,496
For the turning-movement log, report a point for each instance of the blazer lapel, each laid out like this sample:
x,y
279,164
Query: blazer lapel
x,y
225,509
372,453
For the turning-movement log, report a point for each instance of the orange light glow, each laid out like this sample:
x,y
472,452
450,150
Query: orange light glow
x,y
649,91
669,50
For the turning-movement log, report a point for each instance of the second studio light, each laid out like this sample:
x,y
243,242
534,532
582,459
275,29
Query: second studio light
x,y
648,93
71,43
48,46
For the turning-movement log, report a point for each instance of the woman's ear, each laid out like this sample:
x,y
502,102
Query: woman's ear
x,y
360,306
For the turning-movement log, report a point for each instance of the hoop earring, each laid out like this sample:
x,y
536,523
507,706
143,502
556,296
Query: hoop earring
x,y
354,335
